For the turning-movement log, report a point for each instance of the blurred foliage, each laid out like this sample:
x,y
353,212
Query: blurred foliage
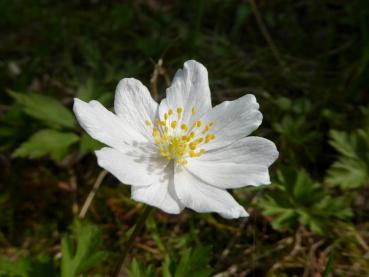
x,y
351,170
46,109
193,262
46,142
313,93
80,258
27,267
297,199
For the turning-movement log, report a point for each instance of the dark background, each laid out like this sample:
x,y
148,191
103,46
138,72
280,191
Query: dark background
x,y
306,62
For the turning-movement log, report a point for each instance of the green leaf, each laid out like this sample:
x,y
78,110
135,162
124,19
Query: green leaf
x,y
79,259
329,266
27,267
166,267
343,143
194,263
296,199
153,229
47,142
43,266
351,170
46,109
138,269
19,268
348,173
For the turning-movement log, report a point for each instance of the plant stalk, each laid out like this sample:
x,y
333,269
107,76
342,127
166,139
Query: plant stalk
x,y
140,223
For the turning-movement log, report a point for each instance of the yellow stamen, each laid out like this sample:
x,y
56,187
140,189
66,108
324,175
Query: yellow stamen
x,y
193,145
178,145
193,111
182,162
209,137
184,127
206,129
155,131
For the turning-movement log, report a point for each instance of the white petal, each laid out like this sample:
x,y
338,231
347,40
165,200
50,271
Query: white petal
x,y
201,197
248,150
190,88
105,126
134,105
161,194
242,163
131,167
233,120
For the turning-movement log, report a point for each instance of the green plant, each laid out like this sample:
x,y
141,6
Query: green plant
x,y
80,257
61,135
351,170
40,266
296,199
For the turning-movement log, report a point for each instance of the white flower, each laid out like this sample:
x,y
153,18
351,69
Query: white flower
x,y
183,152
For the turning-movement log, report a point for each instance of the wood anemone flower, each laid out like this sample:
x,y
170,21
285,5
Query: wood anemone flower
x,y
182,152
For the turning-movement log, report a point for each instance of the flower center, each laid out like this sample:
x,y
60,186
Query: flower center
x,y
176,140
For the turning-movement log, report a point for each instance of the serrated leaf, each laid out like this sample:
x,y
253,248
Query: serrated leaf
x,y
348,173
351,170
297,199
138,269
80,257
46,109
343,143
47,142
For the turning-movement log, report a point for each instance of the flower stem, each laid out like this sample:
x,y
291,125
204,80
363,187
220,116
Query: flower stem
x,y
140,223
92,193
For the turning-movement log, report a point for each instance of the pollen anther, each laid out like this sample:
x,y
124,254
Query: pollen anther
x,y
193,111
184,127
180,143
